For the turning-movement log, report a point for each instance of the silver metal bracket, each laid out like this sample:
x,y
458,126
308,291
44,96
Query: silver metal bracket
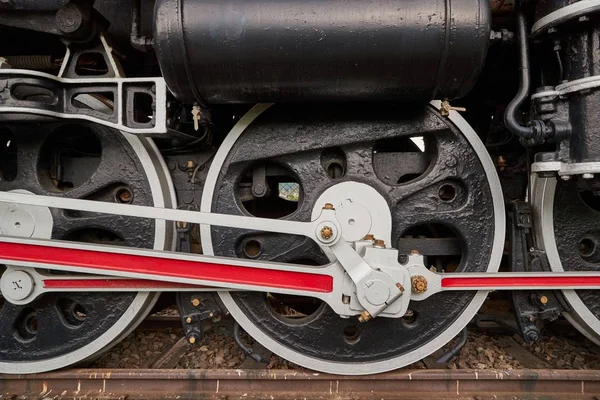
x,y
40,94
132,105
566,170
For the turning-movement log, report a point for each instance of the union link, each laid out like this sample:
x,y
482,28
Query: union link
x,y
371,276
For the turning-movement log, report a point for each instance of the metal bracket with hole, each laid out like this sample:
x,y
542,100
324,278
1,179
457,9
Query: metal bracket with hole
x,y
133,105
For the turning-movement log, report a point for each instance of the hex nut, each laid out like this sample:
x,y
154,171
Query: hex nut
x,y
419,284
364,316
326,232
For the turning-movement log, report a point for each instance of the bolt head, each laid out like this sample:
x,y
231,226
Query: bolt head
x,y
188,320
69,18
565,177
587,176
419,284
328,206
192,339
532,336
326,232
369,237
543,300
364,316
195,302
379,243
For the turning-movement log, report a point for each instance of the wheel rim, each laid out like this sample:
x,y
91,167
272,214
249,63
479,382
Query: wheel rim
x,y
90,323
249,313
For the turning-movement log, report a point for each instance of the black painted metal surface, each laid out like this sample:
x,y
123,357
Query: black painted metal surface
x,y
572,47
246,51
582,59
576,213
79,161
359,133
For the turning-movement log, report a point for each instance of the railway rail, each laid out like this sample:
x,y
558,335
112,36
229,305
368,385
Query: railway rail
x,y
290,384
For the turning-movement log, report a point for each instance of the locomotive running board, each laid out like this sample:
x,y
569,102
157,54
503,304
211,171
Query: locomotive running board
x,y
185,271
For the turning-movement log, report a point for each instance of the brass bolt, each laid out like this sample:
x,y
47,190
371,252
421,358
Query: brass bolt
x,y
195,302
190,164
192,340
501,163
414,252
211,314
369,237
188,320
379,243
446,108
326,232
328,206
543,300
400,287
181,224
364,316
419,284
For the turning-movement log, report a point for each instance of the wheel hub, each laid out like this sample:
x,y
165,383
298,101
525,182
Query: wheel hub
x,y
25,221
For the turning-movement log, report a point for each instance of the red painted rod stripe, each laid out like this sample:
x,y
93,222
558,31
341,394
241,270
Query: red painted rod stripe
x,y
98,260
517,282
113,284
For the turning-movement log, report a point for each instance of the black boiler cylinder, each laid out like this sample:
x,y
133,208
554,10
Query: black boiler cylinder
x,y
248,51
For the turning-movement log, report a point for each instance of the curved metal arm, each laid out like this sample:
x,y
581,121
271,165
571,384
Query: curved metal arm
x,y
510,119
